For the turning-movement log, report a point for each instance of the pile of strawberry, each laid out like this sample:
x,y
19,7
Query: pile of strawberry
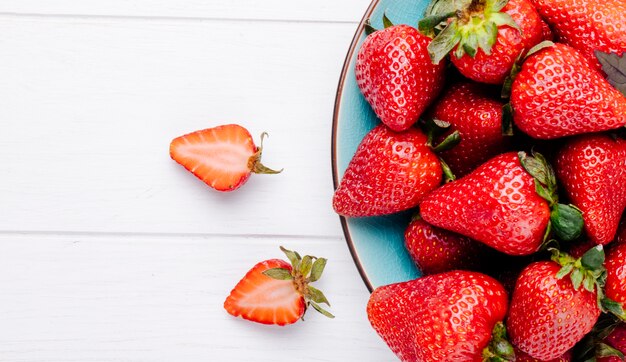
x,y
511,272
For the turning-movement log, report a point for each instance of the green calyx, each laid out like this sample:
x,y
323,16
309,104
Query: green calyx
x,y
566,221
434,128
254,162
499,348
587,271
369,29
305,270
466,25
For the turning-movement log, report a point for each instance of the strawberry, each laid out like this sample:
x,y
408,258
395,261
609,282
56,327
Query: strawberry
x,y
472,111
499,204
549,313
615,288
523,357
557,94
443,317
390,172
396,76
591,170
276,292
485,37
436,250
223,157
617,341
587,25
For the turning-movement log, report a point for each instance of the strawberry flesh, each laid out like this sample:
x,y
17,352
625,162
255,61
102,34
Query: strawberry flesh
x,y
219,156
265,300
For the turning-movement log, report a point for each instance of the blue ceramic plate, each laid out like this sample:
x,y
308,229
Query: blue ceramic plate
x,y
376,244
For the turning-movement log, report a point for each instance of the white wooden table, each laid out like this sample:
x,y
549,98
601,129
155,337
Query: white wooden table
x,y
109,251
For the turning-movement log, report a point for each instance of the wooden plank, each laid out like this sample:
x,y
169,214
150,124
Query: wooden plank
x,y
89,107
290,10
78,298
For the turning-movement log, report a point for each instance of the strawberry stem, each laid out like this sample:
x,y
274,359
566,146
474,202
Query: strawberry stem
x,y
254,162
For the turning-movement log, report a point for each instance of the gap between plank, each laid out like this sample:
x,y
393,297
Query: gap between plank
x,y
169,18
5,233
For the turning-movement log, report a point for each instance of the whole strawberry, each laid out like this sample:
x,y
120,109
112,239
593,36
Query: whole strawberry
x,y
477,115
557,94
277,292
395,74
592,171
445,317
550,313
435,250
390,172
485,37
223,157
587,25
499,204
615,287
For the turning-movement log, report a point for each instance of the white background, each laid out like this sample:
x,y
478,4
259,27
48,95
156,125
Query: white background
x,y
109,251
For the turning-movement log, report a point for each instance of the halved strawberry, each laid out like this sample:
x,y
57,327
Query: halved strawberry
x,y
223,157
276,292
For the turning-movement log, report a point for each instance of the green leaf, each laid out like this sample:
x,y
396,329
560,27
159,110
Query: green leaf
x,y
543,192
318,269
293,257
615,68
438,7
470,44
567,222
589,283
443,125
278,274
305,265
318,308
613,307
317,296
594,258
504,19
534,167
448,175
443,43
507,120
449,142
427,25
498,5
577,278
564,271
386,22
543,45
369,29
604,350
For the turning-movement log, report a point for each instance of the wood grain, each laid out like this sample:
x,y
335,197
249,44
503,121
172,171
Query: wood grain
x,y
78,298
294,10
89,108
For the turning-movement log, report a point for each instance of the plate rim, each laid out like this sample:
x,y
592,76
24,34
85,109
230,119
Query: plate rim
x,y
335,169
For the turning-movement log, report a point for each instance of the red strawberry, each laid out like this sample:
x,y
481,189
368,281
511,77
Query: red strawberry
x,y
469,109
617,340
396,76
523,357
487,36
591,169
547,32
587,25
549,313
390,172
443,317
615,264
557,94
498,205
223,157
276,292
436,250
